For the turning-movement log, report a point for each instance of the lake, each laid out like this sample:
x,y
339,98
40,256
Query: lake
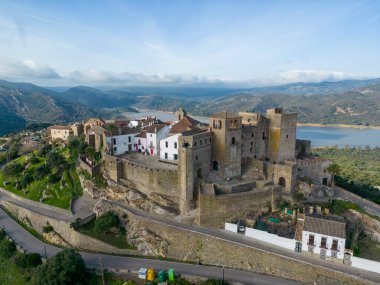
x,y
319,136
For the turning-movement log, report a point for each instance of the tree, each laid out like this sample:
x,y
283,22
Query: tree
x,y
106,221
333,169
28,260
13,169
67,267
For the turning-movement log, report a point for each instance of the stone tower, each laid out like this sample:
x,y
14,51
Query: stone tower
x,y
194,164
282,135
180,114
226,137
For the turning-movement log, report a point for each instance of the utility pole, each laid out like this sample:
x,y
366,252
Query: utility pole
x,y
45,251
101,269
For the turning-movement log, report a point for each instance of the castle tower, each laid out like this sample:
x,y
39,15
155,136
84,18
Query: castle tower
x,y
226,137
180,114
282,135
194,164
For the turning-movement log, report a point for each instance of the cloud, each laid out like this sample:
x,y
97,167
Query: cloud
x,y
312,75
25,70
31,71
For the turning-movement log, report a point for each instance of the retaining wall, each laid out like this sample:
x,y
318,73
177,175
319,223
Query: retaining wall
x,y
74,238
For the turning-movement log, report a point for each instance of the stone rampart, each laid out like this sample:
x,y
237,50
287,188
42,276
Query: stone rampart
x,y
149,179
215,210
74,238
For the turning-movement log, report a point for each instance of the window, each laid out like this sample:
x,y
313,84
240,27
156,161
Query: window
x,y
252,135
233,140
151,135
195,143
251,143
200,142
129,139
251,150
287,136
334,245
323,242
175,145
166,144
115,149
205,141
166,155
196,157
311,240
175,156
114,141
210,139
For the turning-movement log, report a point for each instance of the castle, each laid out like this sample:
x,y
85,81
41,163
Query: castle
x,y
238,163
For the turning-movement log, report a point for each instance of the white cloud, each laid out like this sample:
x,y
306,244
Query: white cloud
x,y
31,71
312,75
25,70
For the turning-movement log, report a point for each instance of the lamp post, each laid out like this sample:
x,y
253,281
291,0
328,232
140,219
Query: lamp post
x,y
45,251
223,273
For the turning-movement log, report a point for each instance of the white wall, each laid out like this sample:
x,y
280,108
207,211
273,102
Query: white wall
x,y
317,243
365,264
270,238
231,227
171,150
121,144
153,140
141,146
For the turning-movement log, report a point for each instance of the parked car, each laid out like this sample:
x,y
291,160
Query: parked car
x,y
241,226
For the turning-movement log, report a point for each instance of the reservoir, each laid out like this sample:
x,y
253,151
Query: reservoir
x,y
319,136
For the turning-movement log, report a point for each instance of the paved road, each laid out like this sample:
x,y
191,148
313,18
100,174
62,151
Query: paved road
x,y
32,244
367,205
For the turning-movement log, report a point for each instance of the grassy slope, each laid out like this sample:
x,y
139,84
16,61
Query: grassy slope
x,y
59,197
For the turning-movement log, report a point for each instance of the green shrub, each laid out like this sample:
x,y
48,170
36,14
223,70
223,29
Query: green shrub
x,y
41,172
26,180
3,234
34,160
55,177
65,268
48,228
45,150
106,221
13,169
28,260
7,248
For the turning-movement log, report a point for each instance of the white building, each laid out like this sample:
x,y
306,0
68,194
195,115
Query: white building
x,y
169,148
140,142
133,124
324,237
154,134
119,144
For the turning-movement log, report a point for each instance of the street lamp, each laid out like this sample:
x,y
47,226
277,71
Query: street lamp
x,y
223,274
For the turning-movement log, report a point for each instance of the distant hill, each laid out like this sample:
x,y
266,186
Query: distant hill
x,y
344,102
357,107
24,103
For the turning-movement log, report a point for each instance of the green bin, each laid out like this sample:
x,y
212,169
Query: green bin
x,y
171,274
162,276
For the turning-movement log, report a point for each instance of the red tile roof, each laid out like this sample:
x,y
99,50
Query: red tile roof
x,y
186,124
155,128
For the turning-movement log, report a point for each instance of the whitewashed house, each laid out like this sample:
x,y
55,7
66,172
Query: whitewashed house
x,y
320,236
121,141
169,145
169,148
140,142
154,134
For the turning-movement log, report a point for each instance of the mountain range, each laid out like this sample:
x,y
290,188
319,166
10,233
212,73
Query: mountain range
x,y
345,102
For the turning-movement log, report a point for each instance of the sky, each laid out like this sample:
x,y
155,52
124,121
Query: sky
x,y
205,42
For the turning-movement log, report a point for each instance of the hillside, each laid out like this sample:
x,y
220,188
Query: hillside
x,y
357,107
22,104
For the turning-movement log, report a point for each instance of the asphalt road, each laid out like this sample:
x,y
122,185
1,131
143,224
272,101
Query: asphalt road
x,y
369,206
32,244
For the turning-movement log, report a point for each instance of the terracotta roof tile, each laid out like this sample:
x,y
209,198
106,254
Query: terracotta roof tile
x,y
186,124
154,128
325,227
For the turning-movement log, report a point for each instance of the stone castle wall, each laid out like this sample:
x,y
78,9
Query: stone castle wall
x,y
74,238
213,211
